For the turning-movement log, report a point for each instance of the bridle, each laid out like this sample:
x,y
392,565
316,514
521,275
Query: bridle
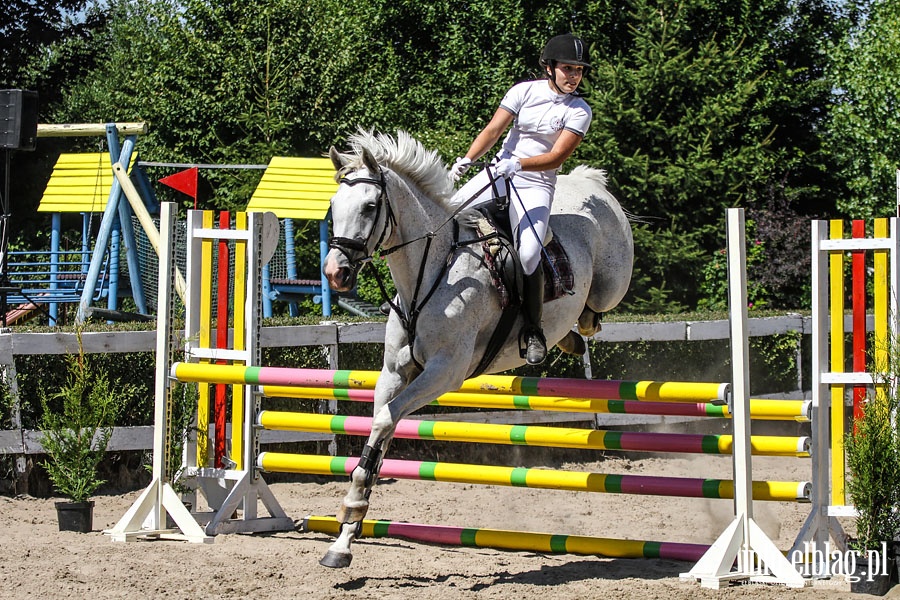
x,y
346,246
409,315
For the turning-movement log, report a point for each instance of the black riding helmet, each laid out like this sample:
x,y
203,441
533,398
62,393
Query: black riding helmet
x,y
567,49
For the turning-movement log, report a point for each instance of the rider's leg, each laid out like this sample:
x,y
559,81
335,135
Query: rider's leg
x,y
531,226
532,307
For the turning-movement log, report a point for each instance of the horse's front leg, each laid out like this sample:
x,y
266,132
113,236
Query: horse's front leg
x,y
431,383
356,503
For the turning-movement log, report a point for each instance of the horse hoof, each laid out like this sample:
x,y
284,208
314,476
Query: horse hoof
x,y
572,344
336,560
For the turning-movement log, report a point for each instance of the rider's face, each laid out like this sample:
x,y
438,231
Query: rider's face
x,y
568,77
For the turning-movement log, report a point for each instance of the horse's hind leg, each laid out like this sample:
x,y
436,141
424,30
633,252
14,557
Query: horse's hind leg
x,y
572,344
589,322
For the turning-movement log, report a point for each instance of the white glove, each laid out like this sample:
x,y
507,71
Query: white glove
x,y
508,167
459,168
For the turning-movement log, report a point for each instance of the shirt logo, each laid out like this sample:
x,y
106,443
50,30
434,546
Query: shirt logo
x,y
556,124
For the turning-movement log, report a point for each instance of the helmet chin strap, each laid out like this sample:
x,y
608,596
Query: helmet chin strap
x,y
551,75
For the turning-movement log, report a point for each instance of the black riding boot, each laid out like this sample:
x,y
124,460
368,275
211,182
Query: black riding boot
x,y
532,308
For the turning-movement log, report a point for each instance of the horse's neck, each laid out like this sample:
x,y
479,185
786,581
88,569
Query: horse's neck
x,y
416,216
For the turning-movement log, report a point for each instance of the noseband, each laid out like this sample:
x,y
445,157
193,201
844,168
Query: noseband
x,y
361,246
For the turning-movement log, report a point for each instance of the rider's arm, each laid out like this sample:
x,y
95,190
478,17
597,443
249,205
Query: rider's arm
x,y
562,149
485,140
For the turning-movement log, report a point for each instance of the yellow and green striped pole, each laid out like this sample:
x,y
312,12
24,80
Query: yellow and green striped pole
x,y
514,540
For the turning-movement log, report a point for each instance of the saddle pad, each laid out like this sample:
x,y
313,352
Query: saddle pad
x,y
558,276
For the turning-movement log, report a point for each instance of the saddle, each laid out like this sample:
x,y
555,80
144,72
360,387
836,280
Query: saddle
x,y
506,269
503,263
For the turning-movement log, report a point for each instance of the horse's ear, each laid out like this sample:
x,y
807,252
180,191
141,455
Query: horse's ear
x,y
336,159
370,163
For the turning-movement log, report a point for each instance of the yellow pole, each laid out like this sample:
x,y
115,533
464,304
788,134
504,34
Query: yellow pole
x,y
882,340
240,297
146,221
836,278
536,435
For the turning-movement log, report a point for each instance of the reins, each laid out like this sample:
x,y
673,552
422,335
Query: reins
x,y
452,216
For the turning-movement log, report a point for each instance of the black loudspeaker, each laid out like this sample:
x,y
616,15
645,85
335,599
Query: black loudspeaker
x,y
18,119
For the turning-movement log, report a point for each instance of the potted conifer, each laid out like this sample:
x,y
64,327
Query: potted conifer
x,y
873,460
76,425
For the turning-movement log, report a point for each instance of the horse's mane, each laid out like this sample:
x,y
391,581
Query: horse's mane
x,y
405,156
408,157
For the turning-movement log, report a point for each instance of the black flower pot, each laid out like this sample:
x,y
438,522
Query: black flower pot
x,y
75,516
879,585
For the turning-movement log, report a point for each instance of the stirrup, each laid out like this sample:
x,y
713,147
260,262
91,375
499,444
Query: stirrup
x,y
533,346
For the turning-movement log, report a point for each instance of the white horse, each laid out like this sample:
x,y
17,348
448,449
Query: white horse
x,y
393,196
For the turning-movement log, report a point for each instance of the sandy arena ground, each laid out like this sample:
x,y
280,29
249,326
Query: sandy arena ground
x,y
37,561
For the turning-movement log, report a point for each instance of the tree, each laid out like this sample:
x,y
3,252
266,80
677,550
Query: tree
x,y
698,105
28,29
864,131
43,46
690,108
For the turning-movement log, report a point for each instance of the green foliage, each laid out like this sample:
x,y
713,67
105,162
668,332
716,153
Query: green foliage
x,y
37,372
665,260
773,362
872,449
873,460
714,286
864,130
76,425
698,105
367,287
691,103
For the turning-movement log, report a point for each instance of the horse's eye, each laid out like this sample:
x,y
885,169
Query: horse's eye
x,y
369,207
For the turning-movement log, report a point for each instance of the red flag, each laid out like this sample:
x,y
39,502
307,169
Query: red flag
x,y
184,181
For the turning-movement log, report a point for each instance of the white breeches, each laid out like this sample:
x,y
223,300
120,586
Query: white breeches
x,y
529,210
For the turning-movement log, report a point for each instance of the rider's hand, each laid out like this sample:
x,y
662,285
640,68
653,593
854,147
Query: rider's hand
x,y
508,167
459,168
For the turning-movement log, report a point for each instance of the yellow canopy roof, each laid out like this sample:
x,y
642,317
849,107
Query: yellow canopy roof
x,y
79,183
295,188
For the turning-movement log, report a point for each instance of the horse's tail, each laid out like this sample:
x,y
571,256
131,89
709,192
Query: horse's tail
x,y
598,175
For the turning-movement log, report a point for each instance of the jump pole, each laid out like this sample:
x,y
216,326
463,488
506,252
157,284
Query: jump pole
x,y
743,543
761,409
548,479
624,397
650,391
513,540
535,435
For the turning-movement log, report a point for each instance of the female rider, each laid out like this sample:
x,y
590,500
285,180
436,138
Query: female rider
x,y
549,119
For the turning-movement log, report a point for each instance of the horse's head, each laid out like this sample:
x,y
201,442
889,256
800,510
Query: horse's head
x,y
361,218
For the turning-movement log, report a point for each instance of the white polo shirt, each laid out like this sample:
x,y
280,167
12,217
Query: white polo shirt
x,y
540,116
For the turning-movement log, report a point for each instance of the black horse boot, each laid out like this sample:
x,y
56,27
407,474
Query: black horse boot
x,y
532,309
